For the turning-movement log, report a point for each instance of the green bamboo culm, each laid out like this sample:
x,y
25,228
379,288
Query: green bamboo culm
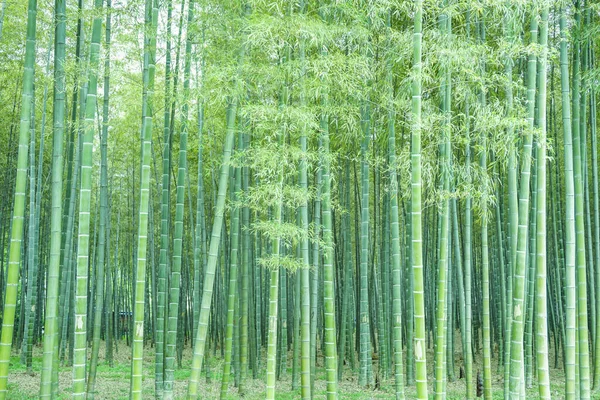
x,y
73,168
329,302
232,290
34,287
50,345
578,179
485,257
17,228
541,313
273,312
164,219
273,299
569,191
174,291
415,210
512,206
245,272
443,260
200,238
396,262
73,164
85,201
151,22
365,376
104,235
26,351
468,228
305,359
518,302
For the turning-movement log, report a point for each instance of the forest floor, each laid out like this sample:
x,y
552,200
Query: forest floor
x,y
113,383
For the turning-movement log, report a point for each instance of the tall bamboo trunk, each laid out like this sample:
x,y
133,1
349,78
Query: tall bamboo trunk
x,y
85,197
164,220
51,314
151,21
570,339
541,314
416,217
518,303
17,230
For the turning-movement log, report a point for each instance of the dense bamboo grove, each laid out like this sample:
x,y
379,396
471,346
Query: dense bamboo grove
x,y
300,199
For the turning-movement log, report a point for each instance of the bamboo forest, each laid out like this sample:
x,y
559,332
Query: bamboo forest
x,y
299,199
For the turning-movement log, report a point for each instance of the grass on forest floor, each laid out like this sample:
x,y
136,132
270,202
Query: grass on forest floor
x,y
113,383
